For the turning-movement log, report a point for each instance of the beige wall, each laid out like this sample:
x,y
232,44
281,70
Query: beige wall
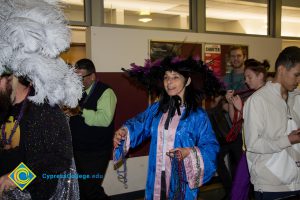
x,y
287,43
78,35
114,48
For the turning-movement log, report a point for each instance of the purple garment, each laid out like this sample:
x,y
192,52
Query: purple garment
x,y
241,181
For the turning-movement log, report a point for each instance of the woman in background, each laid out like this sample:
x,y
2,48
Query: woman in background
x,y
255,77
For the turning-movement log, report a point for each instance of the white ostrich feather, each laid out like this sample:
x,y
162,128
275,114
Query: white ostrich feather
x,y
32,35
23,33
5,52
70,79
5,10
58,38
45,22
53,2
40,11
54,81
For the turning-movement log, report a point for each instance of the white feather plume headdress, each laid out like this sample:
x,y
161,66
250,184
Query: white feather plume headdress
x,y
32,35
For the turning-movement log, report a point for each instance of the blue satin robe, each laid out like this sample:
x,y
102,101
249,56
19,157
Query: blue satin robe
x,y
195,130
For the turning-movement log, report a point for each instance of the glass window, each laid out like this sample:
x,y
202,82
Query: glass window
x,y
148,13
237,16
74,10
290,18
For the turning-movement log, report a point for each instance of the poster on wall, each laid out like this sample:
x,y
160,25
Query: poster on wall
x,y
212,58
161,49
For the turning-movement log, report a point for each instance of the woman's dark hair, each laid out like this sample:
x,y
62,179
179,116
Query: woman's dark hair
x,y
257,67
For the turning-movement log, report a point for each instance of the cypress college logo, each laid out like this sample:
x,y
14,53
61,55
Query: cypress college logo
x,y
22,176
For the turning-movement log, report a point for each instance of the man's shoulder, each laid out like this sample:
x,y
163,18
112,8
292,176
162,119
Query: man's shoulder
x,y
263,94
101,84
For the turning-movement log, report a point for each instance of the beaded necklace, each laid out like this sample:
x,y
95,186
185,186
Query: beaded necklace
x,y
122,174
178,175
16,124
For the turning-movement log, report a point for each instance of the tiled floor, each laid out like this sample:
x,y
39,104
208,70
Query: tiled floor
x,y
210,192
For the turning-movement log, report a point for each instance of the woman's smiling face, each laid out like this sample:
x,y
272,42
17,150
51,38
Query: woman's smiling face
x,y
174,83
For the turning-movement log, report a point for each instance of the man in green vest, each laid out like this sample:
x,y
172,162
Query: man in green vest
x,y
92,129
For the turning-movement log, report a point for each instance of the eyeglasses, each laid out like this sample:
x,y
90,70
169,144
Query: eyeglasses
x,y
86,75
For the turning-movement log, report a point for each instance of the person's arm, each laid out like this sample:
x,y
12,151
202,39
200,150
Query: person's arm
x,y
106,106
229,98
200,164
238,107
134,131
6,184
254,128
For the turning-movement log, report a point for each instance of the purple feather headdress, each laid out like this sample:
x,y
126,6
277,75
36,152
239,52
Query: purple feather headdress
x,y
150,75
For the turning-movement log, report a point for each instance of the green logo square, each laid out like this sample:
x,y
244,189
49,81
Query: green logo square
x,y
22,176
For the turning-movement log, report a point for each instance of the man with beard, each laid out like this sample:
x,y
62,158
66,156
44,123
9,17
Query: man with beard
x,y
5,92
37,135
36,131
235,79
234,82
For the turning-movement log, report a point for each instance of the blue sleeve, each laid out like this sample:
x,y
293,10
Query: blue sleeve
x,y
208,146
139,129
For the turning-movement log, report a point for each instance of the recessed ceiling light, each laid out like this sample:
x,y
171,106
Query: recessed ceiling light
x,y
145,20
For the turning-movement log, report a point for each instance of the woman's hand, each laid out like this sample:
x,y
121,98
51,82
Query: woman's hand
x,y
237,103
6,184
179,153
229,96
119,136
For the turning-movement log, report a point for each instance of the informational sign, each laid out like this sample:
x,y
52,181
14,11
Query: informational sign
x,y
212,57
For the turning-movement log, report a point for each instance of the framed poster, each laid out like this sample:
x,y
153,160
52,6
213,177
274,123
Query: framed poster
x,y
161,49
212,58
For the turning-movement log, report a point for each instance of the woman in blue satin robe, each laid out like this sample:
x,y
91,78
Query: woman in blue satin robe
x,y
181,135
